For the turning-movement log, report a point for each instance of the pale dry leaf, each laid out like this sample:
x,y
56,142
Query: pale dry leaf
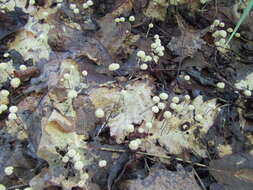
x,y
6,71
36,33
224,150
169,132
54,135
246,83
129,106
31,42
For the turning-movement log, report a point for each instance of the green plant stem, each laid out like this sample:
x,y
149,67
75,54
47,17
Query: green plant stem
x,y
244,15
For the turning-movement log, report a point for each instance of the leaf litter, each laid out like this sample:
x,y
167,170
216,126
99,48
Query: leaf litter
x,y
211,130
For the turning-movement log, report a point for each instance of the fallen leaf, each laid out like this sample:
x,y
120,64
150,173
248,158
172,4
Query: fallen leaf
x,y
37,33
122,7
170,135
27,74
118,169
112,34
157,9
129,106
163,180
234,171
187,43
12,22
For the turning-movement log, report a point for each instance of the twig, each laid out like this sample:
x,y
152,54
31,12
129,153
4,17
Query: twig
x,y
146,164
155,155
200,181
17,186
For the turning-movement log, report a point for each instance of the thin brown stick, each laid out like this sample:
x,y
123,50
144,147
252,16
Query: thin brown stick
x,y
154,155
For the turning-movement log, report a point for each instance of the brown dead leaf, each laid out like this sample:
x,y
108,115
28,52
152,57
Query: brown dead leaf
x,y
112,34
234,171
85,118
188,43
122,7
11,22
163,180
27,74
29,102
72,42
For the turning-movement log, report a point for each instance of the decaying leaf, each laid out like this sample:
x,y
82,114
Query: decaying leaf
x,y
73,44
234,171
27,74
157,9
67,48
163,180
12,22
63,123
170,134
122,7
47,79
111,34
37,33
14,153
246,83
189,41
131,105
118,169
54,137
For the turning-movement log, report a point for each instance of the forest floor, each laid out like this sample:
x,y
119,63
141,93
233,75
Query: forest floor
x,y
125,95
